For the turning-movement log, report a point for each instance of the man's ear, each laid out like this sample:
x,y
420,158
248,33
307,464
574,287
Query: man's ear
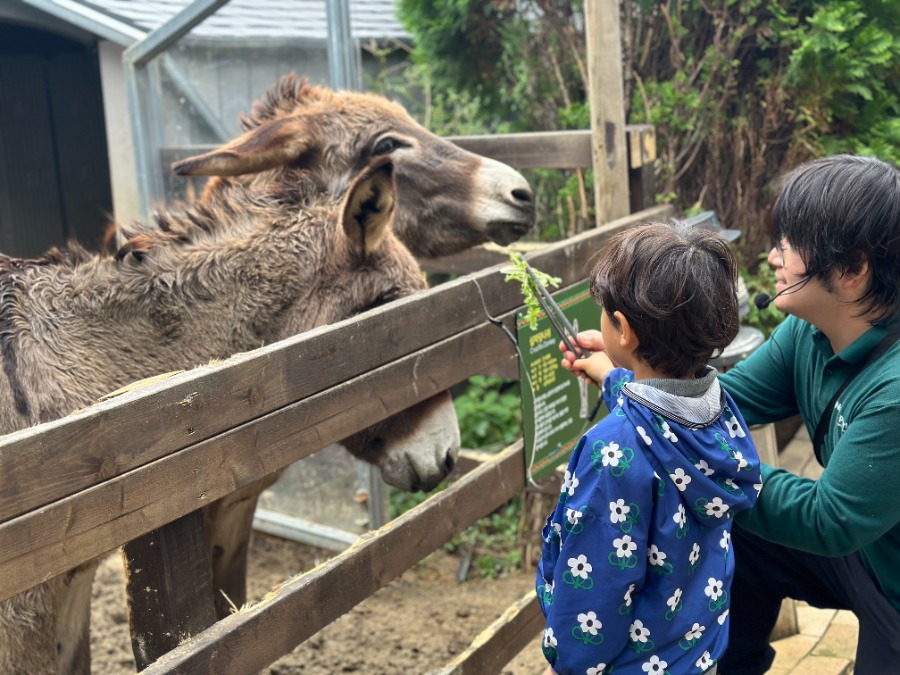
x,y
368,208
854,281
268,146
628,339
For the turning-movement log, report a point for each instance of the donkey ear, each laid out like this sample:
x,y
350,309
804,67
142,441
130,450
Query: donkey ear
x,y
268,146
368,207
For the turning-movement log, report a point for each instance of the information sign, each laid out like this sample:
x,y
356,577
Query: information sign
x,y
555,405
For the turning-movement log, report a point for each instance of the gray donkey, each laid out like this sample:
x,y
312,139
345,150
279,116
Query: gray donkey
x,y
251,268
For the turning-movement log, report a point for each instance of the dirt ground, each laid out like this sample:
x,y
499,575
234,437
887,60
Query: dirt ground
x,y
416,624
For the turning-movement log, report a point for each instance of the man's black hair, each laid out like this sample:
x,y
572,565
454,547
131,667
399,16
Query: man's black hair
x,y
840,212
677,287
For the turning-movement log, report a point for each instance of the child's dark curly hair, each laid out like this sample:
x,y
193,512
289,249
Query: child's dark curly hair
x,y
677,286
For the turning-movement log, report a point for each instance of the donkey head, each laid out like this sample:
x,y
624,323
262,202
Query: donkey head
x,y
448,199
416,448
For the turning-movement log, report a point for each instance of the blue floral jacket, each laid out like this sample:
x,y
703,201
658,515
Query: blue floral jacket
x,y
637,562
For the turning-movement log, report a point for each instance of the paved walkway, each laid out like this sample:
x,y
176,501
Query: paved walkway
x,y
826,644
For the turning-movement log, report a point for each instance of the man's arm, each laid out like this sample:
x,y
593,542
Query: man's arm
x,y
763,384
852,504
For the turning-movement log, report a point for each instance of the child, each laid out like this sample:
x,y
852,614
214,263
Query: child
x,y
637,562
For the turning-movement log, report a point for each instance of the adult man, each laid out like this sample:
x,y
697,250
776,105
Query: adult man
x,y
834,542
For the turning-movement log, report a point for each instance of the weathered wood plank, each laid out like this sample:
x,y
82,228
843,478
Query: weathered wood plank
x,y
249,641
44,464
499,643
608,140
529,150
169,587
56,537
533,150
50,461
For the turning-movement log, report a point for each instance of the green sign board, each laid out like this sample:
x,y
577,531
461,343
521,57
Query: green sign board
x,y
555,404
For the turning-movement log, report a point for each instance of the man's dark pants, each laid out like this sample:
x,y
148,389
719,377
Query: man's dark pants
x,y
766,573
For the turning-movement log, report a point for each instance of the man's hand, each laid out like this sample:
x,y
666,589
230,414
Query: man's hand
x,y
596,367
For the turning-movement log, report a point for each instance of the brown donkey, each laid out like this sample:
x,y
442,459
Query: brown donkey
x,y
247,268
448,199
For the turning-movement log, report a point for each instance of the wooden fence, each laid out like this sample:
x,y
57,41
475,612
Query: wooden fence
x,y
141,464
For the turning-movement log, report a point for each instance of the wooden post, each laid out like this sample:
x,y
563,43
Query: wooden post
x,y
764,438
169,585
604,51
641,156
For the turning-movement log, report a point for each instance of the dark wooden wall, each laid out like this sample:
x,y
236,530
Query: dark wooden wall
x,y
54,168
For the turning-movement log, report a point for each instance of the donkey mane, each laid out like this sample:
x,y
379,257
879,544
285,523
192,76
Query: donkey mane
x,y
69,257
238,209
282,99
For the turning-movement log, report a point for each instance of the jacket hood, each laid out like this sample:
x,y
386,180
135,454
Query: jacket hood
x,y
695,435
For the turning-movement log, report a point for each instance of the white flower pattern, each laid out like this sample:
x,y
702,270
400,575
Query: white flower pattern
x,y
734,428
668,434
570,482
573,516
624,546
695,633
618,511
680,516
580,567
704,662
638,632
675,599
716,507
644,435
549,638
695,553
714,588
655,665
611,455
681,479
589,623
704,468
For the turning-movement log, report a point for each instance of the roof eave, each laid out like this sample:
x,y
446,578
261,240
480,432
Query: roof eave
x,y
101,25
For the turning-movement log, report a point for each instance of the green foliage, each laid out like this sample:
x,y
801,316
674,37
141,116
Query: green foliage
x,y
761,281
739,90
493,541
518,272
844,73
489,413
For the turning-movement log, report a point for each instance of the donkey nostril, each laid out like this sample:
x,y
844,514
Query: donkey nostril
x,y
522,195
449,463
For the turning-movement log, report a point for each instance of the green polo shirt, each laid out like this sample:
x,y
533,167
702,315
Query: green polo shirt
x,y
855,505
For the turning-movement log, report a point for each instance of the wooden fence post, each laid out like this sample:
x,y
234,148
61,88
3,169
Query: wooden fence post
x,y
169,586
607,99
641,157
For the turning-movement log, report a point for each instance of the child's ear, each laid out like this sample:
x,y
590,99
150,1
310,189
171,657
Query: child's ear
x,y
628,340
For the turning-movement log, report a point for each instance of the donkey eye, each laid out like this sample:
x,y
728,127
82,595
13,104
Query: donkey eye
x,y
386,145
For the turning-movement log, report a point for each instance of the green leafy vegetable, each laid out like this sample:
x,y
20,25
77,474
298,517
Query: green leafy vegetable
x,y
518,272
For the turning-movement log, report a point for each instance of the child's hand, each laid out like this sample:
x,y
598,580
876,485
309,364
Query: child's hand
x,y
596,367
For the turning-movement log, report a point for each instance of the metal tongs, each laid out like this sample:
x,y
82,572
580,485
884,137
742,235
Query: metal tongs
x,y
558,320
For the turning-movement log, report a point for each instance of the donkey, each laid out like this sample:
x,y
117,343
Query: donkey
x,y
315,140
325,135
250,267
